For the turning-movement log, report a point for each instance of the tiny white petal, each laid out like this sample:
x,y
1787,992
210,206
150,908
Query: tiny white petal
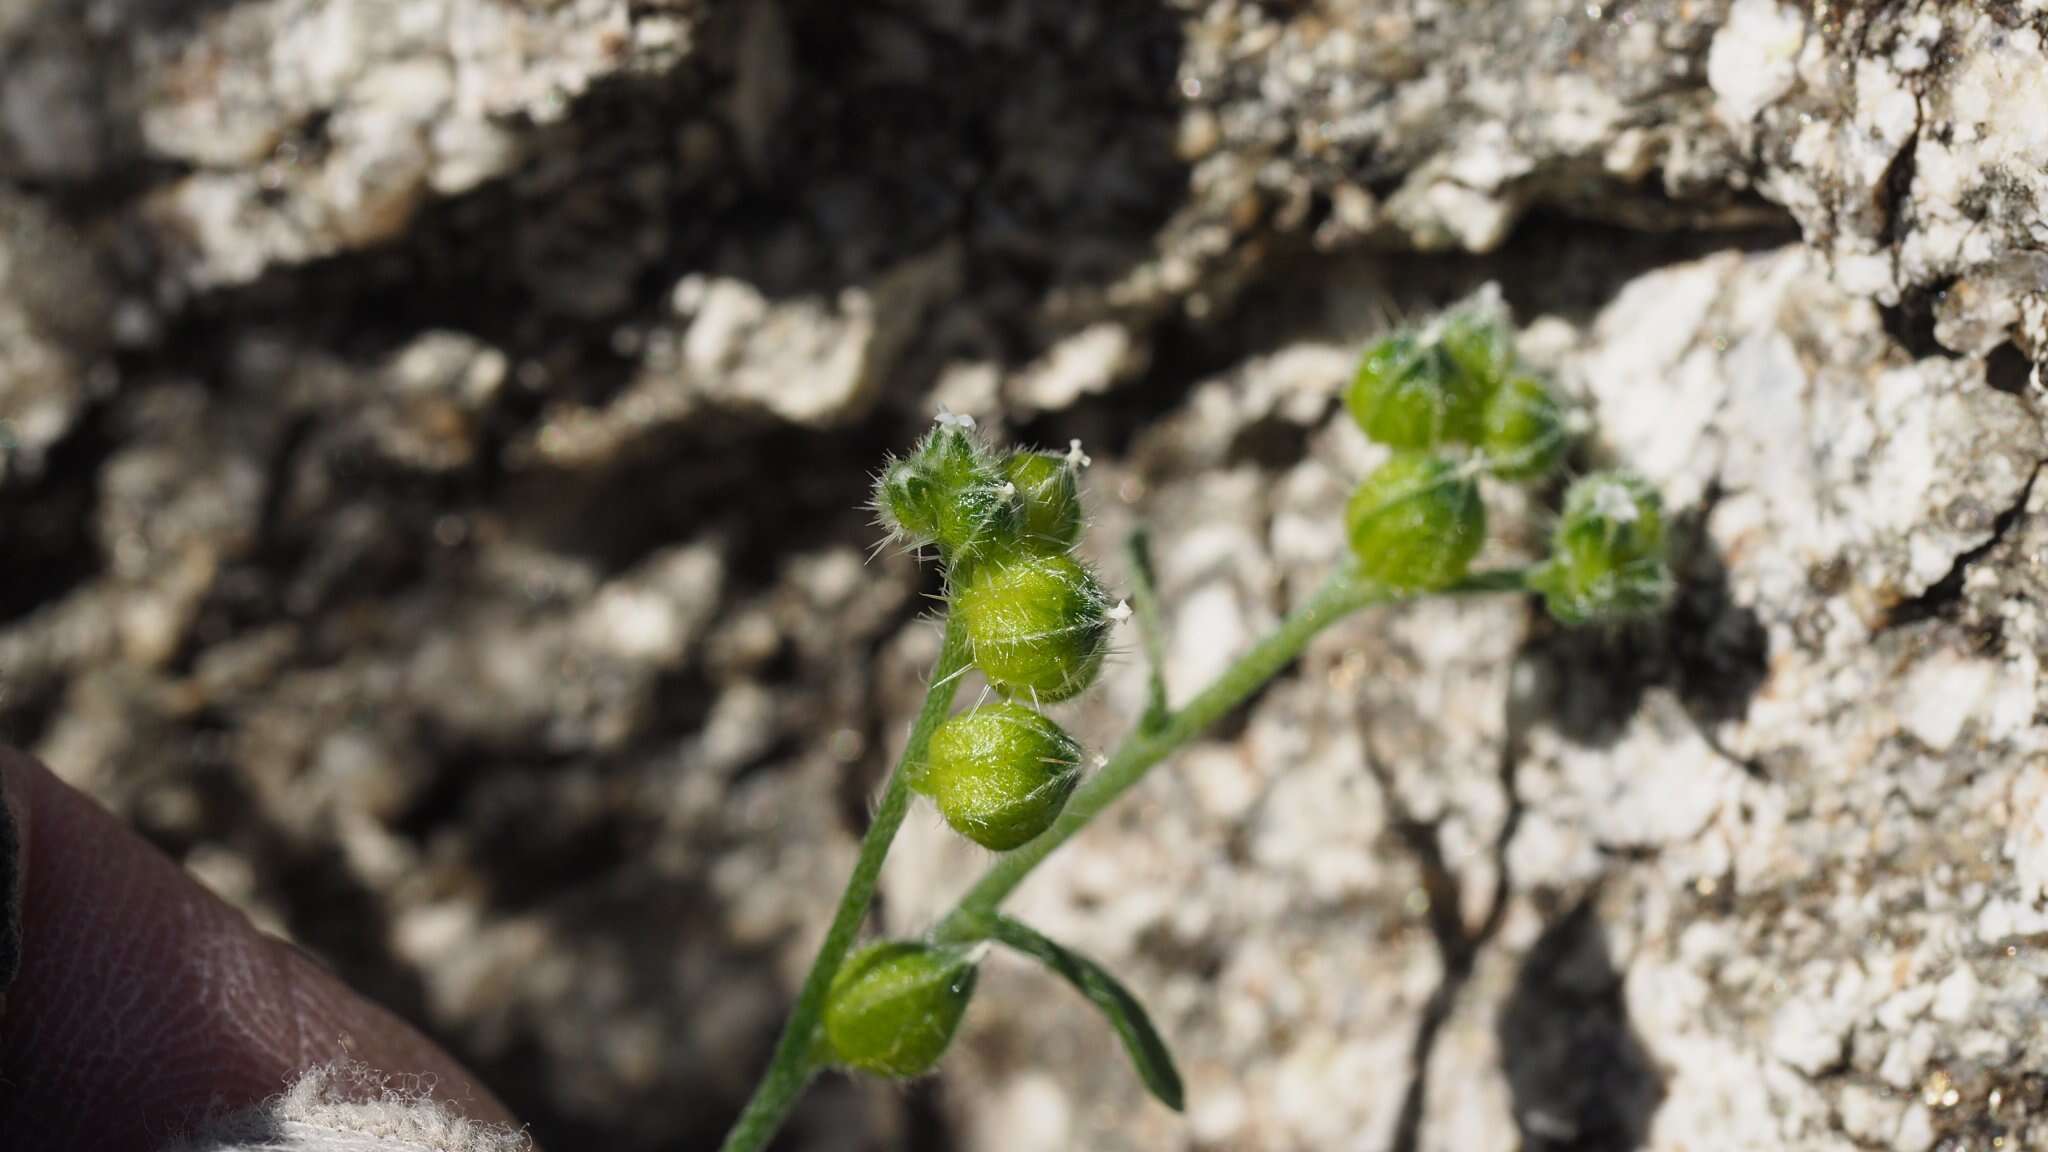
x,y
1616,503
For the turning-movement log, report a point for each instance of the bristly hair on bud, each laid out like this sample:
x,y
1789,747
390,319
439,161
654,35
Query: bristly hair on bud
x,y
1037,624
1409,395
1480,341
1431,387
949,491
894,1006
1608,553
1000,774
1416,523
1525,436
1049,497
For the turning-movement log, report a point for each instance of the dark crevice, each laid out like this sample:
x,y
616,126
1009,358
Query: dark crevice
x,y
1552,265
1911,322
28,709
809,490
1943,599
47,522
2008,370
1896,190
1458,948
1272,443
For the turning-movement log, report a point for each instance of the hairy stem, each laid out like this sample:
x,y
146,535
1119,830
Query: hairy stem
x,y
1344,593
1341,595
794,1062
975,917
1151,633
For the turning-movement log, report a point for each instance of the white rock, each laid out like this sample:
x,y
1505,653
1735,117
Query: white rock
x,y
1807,1037
1754,57
1083,364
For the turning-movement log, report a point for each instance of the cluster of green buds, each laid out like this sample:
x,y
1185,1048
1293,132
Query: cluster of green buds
x,y
1454,405
1035,618
1036,624
1607,553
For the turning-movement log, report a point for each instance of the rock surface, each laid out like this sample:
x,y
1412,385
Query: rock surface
x,y
435,434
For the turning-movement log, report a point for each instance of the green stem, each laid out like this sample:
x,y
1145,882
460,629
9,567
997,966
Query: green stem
x,y
1344,593
1151,633
791,1067
975,917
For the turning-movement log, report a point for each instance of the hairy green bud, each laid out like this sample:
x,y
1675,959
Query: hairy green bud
x,y
1000,774
1416,523
1049,497
1481,347
949,492
1037,624
894,1006
1410,395
1524,436
1607,558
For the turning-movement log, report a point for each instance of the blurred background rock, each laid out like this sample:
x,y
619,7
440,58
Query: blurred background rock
x,y
436,434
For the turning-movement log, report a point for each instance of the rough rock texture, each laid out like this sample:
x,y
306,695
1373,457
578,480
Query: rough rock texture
x,y
435,434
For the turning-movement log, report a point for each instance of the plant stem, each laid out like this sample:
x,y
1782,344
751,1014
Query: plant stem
x,y
791,1067
1342,594
1151,633
974,917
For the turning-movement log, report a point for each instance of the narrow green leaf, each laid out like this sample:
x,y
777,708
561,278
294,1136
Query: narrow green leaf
x,y
1126,1015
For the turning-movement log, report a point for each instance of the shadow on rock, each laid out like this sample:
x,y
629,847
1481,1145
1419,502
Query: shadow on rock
x,y
1709,650
1580,1076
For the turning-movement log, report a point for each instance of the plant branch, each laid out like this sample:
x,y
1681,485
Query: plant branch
x,y
1343,593
1151,633
794,1061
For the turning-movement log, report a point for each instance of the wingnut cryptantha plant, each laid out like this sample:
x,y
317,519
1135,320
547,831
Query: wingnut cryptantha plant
x,y
1027,614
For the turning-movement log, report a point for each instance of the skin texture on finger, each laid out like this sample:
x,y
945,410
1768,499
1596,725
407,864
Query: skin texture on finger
x,y
144,1004
12,850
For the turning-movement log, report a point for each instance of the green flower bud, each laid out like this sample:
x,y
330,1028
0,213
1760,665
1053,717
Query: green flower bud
x,y
1037,624
1607,558
1416,523
894,1006
1410,395
1524,437
1482,348
1050,499
1001,773
949,492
